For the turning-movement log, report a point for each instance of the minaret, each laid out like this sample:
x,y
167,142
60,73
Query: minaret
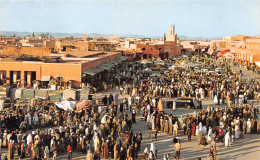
x,y
171,36
85,38
171,31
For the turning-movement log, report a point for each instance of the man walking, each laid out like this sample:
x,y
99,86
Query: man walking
x,y
177,148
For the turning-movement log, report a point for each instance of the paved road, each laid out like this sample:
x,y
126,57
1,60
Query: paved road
x,y
245,72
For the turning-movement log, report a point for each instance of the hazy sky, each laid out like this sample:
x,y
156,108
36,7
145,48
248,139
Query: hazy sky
x,y
196,18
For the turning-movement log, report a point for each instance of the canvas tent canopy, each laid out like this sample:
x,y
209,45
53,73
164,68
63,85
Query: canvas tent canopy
x,y
66,105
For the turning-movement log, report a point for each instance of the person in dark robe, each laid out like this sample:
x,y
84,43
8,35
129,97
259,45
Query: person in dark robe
x,y
42,152
139,139
121,107
189,133
97,154
106,150
37,152
193,128
104,100
111,99
18,149
133,117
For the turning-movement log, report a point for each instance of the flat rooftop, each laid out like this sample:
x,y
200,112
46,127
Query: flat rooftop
x,y
53,59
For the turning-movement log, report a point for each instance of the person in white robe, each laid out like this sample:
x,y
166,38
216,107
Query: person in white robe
x,y
148,108
29,139
181,122
46,152
197,131
204,130
95,127
224,117
29,119
51,144
215,99
200,126
153,149
153,123
96,143
154,102
175,127
227,140
129,101
236,132
86,131
104,119
148,119
248,128
182,93
133,92
210,134
61,129
5,143
35,119
170,120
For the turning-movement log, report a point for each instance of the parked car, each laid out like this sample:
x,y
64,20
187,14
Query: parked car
x,y
184,102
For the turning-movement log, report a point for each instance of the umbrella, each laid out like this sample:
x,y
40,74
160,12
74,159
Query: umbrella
x,y
84,104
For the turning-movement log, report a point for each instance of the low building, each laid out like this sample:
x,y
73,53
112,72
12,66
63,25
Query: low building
x,y
24,72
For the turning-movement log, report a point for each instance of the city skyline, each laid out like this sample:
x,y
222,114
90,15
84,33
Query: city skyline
x,y
199,18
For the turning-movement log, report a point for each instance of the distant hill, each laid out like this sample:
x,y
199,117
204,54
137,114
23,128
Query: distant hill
x,y
62,35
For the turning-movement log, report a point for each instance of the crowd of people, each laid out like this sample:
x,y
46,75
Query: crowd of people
x,y
233,115
105,128
99,131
